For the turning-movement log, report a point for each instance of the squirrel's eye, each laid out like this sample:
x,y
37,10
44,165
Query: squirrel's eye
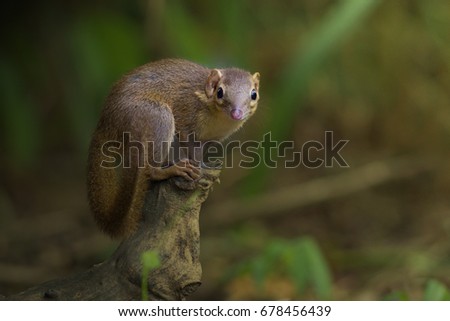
x,y
254,95
220,93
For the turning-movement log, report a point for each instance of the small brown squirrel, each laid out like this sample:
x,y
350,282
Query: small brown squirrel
x,y
152,104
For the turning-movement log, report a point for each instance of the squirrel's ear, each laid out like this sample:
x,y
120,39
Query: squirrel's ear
x,y
212,81
256,79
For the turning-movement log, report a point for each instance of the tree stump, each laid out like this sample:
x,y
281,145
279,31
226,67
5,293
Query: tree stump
x,y
170,227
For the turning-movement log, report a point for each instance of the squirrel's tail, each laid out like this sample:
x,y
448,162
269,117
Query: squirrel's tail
x,y
113,198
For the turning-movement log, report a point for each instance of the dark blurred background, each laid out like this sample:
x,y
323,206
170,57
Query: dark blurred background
x,y
375,73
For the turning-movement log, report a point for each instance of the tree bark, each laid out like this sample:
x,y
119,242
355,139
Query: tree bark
x,y
170,227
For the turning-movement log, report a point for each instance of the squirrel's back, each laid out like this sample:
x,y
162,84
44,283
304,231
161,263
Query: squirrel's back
x,y
167,80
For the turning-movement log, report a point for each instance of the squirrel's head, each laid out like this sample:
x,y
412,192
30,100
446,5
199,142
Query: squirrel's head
x,y
233,91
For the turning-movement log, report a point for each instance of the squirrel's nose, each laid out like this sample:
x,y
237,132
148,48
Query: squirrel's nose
x,y
237,114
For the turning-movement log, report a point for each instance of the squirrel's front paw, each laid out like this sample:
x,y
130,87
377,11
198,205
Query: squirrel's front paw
x,y
187,170
188,174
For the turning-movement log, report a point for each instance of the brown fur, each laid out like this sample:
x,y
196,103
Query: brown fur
x,y
152,103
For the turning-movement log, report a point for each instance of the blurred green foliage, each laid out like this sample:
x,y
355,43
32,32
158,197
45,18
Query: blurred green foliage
x,y
20,123
60,59
337,25
434,291
300,260
375,72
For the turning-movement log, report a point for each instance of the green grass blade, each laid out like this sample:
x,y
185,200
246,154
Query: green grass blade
x,y
320,276
150,261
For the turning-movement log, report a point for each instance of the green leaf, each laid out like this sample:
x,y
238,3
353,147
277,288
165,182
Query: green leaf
x,y
274,252
260,270
297,266
320,276
435,291
267,262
